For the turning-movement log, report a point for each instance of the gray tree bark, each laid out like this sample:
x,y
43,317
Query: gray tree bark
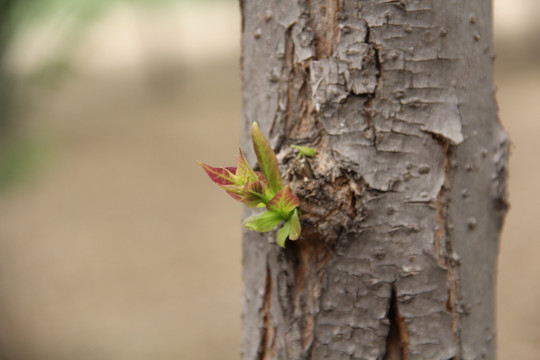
x,y
403,205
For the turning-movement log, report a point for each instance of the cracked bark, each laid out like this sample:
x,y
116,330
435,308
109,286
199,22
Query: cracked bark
x,y
403,205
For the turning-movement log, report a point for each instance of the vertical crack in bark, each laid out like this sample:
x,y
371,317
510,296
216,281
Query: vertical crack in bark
x,y
323,22
378,65
397,340
451,305
298,102
442,244
440,205
294,99
290,64
279,125
368,105
313,257
303,283
267,347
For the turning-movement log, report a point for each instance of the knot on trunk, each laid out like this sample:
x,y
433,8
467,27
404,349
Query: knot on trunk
x,y
330,197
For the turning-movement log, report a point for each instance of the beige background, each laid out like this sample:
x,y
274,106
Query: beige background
x,y
114,245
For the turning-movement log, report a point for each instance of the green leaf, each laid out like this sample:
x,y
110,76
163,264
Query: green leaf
x,y
243,170
263,222
283,233
283,203
306,151
295,226
267,158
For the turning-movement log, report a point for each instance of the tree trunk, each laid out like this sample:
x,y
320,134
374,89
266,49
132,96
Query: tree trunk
x,y
403,205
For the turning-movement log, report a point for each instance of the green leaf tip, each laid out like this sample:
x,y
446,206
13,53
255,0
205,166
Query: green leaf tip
x,y
295,226
266,158
291,230
304,150
283,234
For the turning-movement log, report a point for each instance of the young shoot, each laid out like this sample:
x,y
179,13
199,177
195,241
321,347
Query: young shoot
x,y
262,189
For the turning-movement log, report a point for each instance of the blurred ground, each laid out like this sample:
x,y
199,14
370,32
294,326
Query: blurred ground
x,y
117,247
118,250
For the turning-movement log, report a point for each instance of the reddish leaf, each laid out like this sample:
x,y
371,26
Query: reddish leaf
x,y
260,177
221,176
226,178
284,202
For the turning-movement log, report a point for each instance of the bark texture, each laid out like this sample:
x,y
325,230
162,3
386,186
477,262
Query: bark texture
x,y
403,205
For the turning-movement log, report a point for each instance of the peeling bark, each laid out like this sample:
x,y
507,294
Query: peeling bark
x,y
403,205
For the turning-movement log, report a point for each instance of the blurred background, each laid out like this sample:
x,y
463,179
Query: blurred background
x,y
113,244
